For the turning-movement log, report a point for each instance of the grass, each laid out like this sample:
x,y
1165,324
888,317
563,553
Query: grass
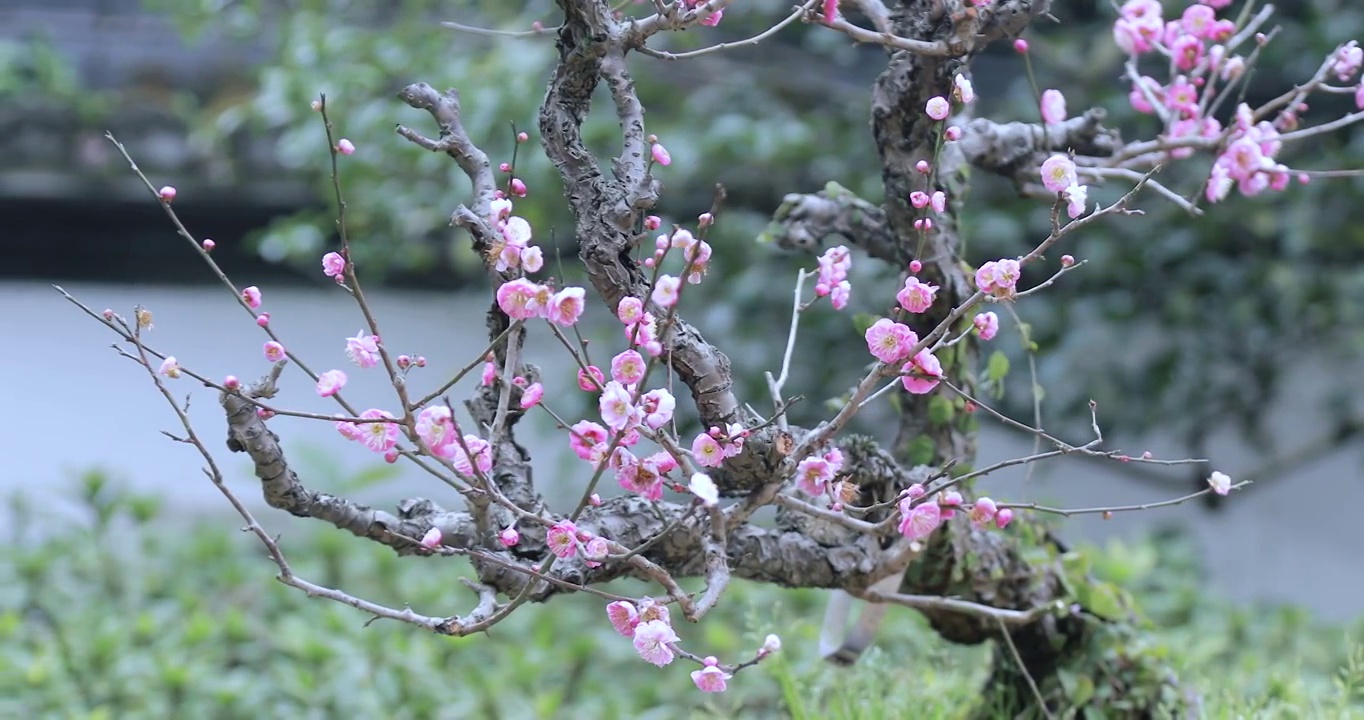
x,y
136,614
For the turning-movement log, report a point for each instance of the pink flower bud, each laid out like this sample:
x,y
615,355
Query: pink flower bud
x,y
316,105
264,414
923,167
404,362
1003,518
923,224
915,491
518,187
952,133
770,645
652,222
167,193
231,382
531,396
274,352
391,456
209,245
431,540
504,167
705,219
522,137
108,314
509,537
420,361
938,200
1021,46
263,319
918,199
591,379
661,155
345,147
915,266
594,500
1067,260
251,296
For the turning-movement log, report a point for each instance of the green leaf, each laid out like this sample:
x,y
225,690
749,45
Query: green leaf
x,y
940,410
997,367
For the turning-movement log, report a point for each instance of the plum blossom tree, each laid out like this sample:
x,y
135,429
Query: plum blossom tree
x,y
900,522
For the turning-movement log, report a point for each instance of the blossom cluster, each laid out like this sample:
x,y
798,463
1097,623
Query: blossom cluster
x,y
649,627
919,517
1194,46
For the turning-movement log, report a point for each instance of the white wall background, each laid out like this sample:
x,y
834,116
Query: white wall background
x,y
71,404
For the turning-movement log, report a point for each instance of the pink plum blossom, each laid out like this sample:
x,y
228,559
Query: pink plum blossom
x,y
658,406
251,296
1220,483
661,155
667,290
962,90
531,396
345,147
435,429
627,368
431,540
707,451
937,107
710,678
918,522
916,296
982,513
596,550
1076,199
378,436
889,341
617,410
651,640
584,436
330,382
704,488
334,266
516,298
1347,62
274,352
813,475
624,617
363,350
562,539
1058,173
630,310
927,371
591,379
986,324
170,368
566,306
166,193
1053,107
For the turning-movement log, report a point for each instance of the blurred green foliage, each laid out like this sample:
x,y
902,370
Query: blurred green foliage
x,y
134,611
